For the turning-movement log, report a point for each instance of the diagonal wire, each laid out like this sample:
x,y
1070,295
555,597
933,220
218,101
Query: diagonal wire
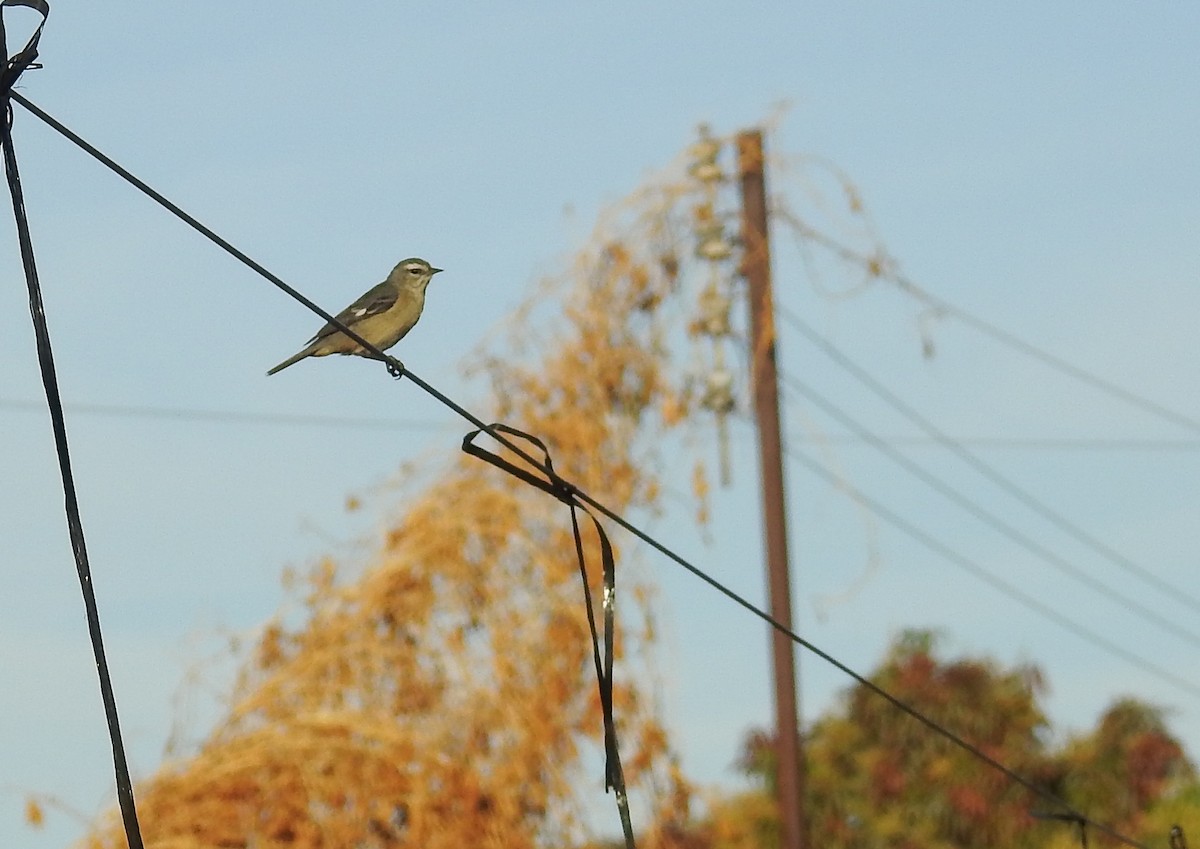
x,y
13,67
1024,496
397,369
124,780
881,267
957,497
1044,610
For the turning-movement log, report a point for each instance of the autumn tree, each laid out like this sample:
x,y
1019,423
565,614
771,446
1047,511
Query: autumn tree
x,y
443,694
1129,766
878,778
877,774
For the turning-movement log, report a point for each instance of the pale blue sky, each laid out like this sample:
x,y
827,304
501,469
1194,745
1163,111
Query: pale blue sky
x,y
1035,164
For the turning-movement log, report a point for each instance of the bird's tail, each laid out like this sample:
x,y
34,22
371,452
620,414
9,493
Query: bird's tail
x,y
290,361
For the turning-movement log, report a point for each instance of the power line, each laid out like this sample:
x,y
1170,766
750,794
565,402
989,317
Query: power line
x,y
880,266
192,414
1028,443
989,518
569,492
13,67
198,414
1035,504
966,564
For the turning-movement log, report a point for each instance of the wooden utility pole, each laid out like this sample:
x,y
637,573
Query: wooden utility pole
x,y
756,267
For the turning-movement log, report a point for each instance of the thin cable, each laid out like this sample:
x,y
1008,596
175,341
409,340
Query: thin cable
x,y
196,225
193,414
957,497
395,367
124,782
1029,443
880,267
1025,497
1057,363
576,493
198,414
966,564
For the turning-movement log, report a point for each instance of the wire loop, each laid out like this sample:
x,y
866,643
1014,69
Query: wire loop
x,y
557,486
23,59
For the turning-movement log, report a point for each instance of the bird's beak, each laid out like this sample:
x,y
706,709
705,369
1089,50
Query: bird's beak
x,y
435,270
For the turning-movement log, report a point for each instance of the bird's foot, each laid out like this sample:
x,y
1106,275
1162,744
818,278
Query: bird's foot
x,y
395,367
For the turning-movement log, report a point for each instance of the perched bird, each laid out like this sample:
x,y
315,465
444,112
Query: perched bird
x,y
382,316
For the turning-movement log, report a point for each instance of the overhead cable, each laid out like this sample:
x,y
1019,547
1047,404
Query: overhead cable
x,y
563,490
1037,505
882,267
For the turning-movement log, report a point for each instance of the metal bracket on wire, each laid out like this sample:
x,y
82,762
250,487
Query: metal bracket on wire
x,y
1078,819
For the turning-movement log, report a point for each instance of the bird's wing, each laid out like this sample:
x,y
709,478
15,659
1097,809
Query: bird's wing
x,y
379,299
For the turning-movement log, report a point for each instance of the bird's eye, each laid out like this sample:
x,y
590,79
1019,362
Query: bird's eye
x,y
414,270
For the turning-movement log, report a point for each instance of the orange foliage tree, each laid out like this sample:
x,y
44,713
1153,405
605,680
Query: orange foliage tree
x,y
445,697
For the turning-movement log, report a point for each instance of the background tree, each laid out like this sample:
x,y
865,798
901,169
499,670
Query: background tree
x,y
877,778
1129,765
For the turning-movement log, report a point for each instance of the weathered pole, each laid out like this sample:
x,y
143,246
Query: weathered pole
x,y
756,267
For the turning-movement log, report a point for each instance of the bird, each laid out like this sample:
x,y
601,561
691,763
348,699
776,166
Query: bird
x,y
382,316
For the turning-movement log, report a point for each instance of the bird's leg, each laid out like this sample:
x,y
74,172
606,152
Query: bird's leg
x,y
394,366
